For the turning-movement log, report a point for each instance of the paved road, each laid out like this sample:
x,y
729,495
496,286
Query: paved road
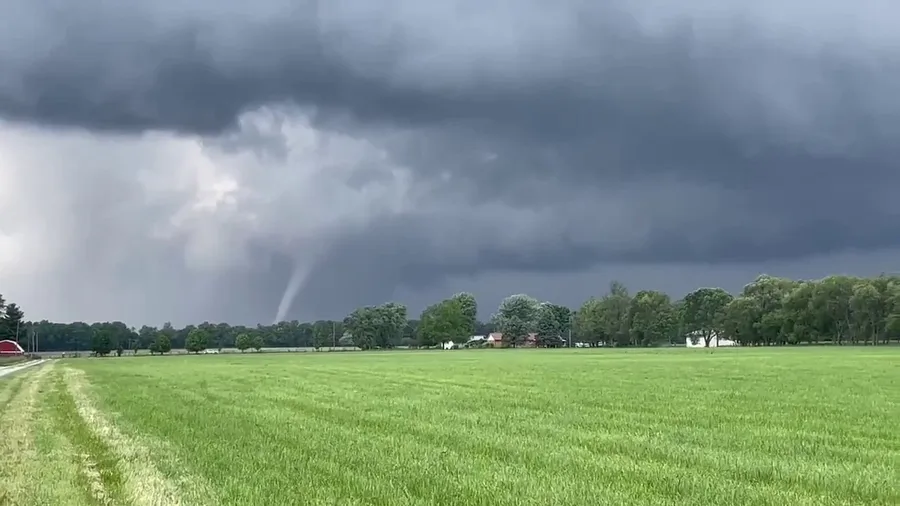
x,y
13,368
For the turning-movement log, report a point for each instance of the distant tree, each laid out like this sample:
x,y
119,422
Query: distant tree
x,y
445,321
703,312
101,343
171,333
257,342
589,324
832,309
517,317
769,294
770,311
869,311
12,325
410,333
146,336
740,318
393,320
614,315
799,322
135,345
163,343
605,319
552,323
323,332
377,326
652,318
196,341
120,348
363,325
469,307
243,342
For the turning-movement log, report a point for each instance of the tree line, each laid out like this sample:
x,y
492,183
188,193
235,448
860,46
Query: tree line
x,y
770,311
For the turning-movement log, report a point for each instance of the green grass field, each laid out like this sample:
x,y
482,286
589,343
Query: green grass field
x,y
814,426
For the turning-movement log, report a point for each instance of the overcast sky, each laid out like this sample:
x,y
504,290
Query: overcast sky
x,y
182,159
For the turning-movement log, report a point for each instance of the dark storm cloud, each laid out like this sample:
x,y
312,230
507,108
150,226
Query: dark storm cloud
x,y
607,131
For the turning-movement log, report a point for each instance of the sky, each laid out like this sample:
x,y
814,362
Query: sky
x,y
191,160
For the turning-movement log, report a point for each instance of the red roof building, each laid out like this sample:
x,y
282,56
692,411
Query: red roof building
x,y
8,348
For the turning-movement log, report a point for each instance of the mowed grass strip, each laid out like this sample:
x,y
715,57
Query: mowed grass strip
x,y
59,450
140,481
100,470
9,388
494,427
38,463
18,399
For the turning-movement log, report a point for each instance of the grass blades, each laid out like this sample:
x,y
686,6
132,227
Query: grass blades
x,y
489,427
528,427
61,450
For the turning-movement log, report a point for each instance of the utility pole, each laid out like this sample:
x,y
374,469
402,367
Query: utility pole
x,y
332,335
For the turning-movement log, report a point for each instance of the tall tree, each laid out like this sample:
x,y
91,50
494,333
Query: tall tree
x,y
243,342
831,307
376,326
147,335
770,293
470,310
323,332
739,320
102,341
589,324
652,318
362,326
797,315
443,322
553,322
172,334
703,311
517,317
393,318
163,343
13,325
614,309
871,305
196,341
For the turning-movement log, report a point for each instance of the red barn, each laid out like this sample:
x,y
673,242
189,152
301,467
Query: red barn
x,y
10,348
